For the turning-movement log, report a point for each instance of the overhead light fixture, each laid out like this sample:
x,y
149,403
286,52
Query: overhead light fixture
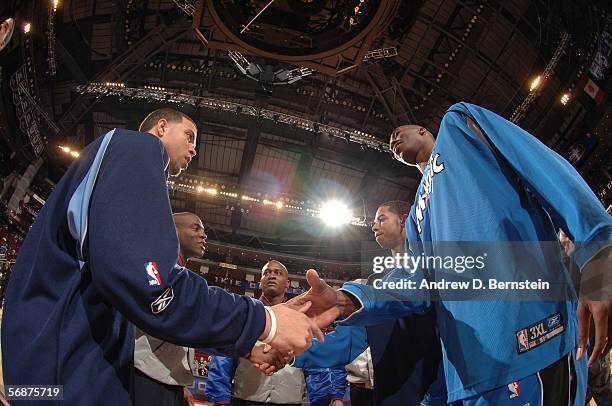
x,y
69,151
335,213
535,83
27,27
565,98
55,4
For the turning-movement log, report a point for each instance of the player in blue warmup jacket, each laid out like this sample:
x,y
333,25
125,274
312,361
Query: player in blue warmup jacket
x,y
485,179
101,255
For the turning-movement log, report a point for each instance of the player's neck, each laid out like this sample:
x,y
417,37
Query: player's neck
x,y
422,158
422,166
274,300
400,249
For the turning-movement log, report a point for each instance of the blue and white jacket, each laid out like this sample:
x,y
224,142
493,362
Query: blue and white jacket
x,y
100,258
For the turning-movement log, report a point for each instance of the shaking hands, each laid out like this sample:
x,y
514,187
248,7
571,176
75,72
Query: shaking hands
x,y
297,321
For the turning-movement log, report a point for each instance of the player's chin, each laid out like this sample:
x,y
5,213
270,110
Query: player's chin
x,y
408,158
175,170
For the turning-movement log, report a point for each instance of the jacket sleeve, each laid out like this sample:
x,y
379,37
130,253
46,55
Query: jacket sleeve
x,y
219,382
339,383
379,303
340,347
132,253
558,187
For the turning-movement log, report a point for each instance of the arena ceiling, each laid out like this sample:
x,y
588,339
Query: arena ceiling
x,y
329,106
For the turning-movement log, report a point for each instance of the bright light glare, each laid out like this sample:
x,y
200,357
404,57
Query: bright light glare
x,y
535,83
565,98
27,27
75,154
335,213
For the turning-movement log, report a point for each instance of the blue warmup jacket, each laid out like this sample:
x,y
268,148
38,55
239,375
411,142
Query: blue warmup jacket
x,y
406,356
325,384
320,382
100,258
470,193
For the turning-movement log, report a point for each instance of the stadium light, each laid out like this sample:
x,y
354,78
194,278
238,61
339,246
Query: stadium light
x,y
335,213
565,98
535,83
71,152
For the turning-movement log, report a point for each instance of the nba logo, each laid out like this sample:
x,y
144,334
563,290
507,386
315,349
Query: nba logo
x,y
522,340
514,390
153,275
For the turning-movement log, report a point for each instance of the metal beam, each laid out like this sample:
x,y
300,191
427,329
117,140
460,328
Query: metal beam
x,y
250,148
123,67
390,96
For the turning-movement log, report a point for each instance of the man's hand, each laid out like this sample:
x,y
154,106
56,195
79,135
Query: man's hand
x,y
294,330
601,311
596,302
327,303
188,399
268,360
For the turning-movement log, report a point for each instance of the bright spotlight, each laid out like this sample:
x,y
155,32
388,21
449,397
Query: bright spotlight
x,y
335,213
55,3
75,154
565,98
279,205
27,27
535,83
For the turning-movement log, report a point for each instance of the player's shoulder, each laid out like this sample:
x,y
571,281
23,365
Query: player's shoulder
x,y
130,143
135,138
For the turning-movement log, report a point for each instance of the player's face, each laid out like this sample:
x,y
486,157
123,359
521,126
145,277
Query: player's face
x,y
274,279
191,235
387,228
179,139
405,143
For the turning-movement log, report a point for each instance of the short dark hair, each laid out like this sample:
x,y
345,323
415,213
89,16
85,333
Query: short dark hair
x,y
171,115
398,207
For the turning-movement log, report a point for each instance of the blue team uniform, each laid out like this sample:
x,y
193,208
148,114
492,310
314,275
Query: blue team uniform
x,y
100,258
405,354
471,193
323,384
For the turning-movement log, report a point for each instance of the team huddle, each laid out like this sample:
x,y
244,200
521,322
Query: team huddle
x,y
100,274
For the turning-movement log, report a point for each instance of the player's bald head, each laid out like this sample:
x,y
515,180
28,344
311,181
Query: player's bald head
x,y
275,264
184,218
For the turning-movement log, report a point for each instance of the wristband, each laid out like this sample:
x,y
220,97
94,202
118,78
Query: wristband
x,y
272,332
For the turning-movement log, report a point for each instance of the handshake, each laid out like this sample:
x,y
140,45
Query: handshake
x,y
291,326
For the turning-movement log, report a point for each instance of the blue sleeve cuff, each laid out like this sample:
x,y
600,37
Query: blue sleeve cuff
x,y
586,251
378,305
